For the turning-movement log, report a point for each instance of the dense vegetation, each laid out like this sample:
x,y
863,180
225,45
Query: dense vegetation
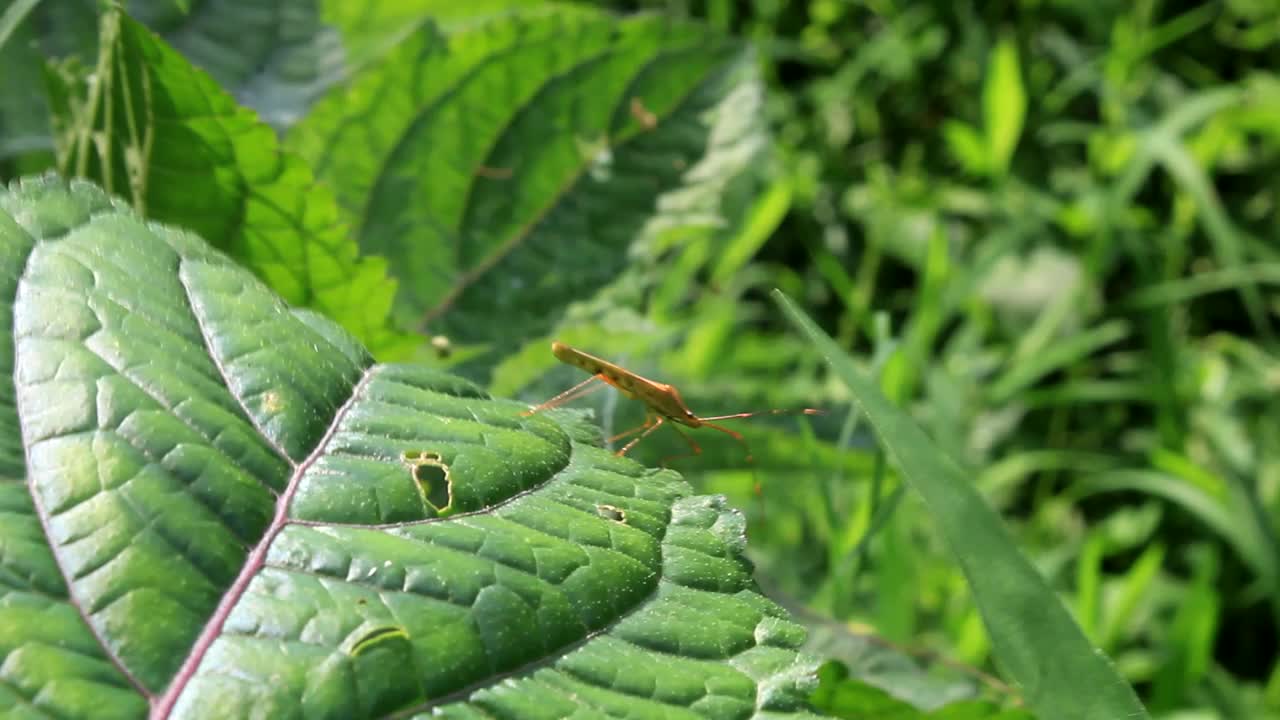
x,y
1047,229
1056,225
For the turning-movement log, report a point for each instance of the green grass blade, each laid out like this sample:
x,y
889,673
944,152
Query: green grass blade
x,y
1004,104
1204,283
1065,352
1039,646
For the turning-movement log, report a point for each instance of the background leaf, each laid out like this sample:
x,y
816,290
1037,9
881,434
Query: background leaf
x,y
163,133
510,168
1004,104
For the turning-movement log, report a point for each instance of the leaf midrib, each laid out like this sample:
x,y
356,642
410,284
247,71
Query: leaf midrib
x,y
254,563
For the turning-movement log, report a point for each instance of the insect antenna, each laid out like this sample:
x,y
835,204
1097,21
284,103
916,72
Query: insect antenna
x,y
781,411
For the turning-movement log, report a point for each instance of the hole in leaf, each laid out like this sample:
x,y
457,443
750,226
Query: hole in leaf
x,y
431,473
609,512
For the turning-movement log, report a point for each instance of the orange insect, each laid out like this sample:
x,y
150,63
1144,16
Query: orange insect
x,y
662,401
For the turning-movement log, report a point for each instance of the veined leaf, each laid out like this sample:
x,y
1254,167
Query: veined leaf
x,y
223,516
507,168
165,134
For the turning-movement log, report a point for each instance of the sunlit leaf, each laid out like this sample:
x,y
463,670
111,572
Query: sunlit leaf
x,y
220,506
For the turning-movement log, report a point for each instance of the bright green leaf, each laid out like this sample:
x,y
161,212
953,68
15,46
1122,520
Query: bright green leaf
x,y
1004,104
370,30
967,146
758,226
220,516
1060,674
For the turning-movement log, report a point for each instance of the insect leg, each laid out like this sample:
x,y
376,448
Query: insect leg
x,y
755,478
583,388
649,430
694,448
648,421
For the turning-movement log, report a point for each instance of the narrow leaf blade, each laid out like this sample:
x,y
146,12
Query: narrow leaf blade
x,y
1061,675
1004,104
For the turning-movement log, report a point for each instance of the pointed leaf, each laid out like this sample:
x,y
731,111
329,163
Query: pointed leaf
x,y
1004,104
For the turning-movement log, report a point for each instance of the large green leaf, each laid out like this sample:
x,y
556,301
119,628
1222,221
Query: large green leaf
x,y
1039,646
153,126
229,510
507,168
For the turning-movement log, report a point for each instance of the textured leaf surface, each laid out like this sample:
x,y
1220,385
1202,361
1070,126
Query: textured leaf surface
x,y
230,511
506,169
181,148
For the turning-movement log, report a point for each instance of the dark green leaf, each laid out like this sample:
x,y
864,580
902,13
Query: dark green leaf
x,y
506,169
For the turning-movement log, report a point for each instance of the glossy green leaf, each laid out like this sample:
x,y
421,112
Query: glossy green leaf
x,y
169,138
1039,646
214,509
506,169
843,697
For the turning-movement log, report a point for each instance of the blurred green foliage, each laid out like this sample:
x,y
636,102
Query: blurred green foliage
x,y
1051,228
